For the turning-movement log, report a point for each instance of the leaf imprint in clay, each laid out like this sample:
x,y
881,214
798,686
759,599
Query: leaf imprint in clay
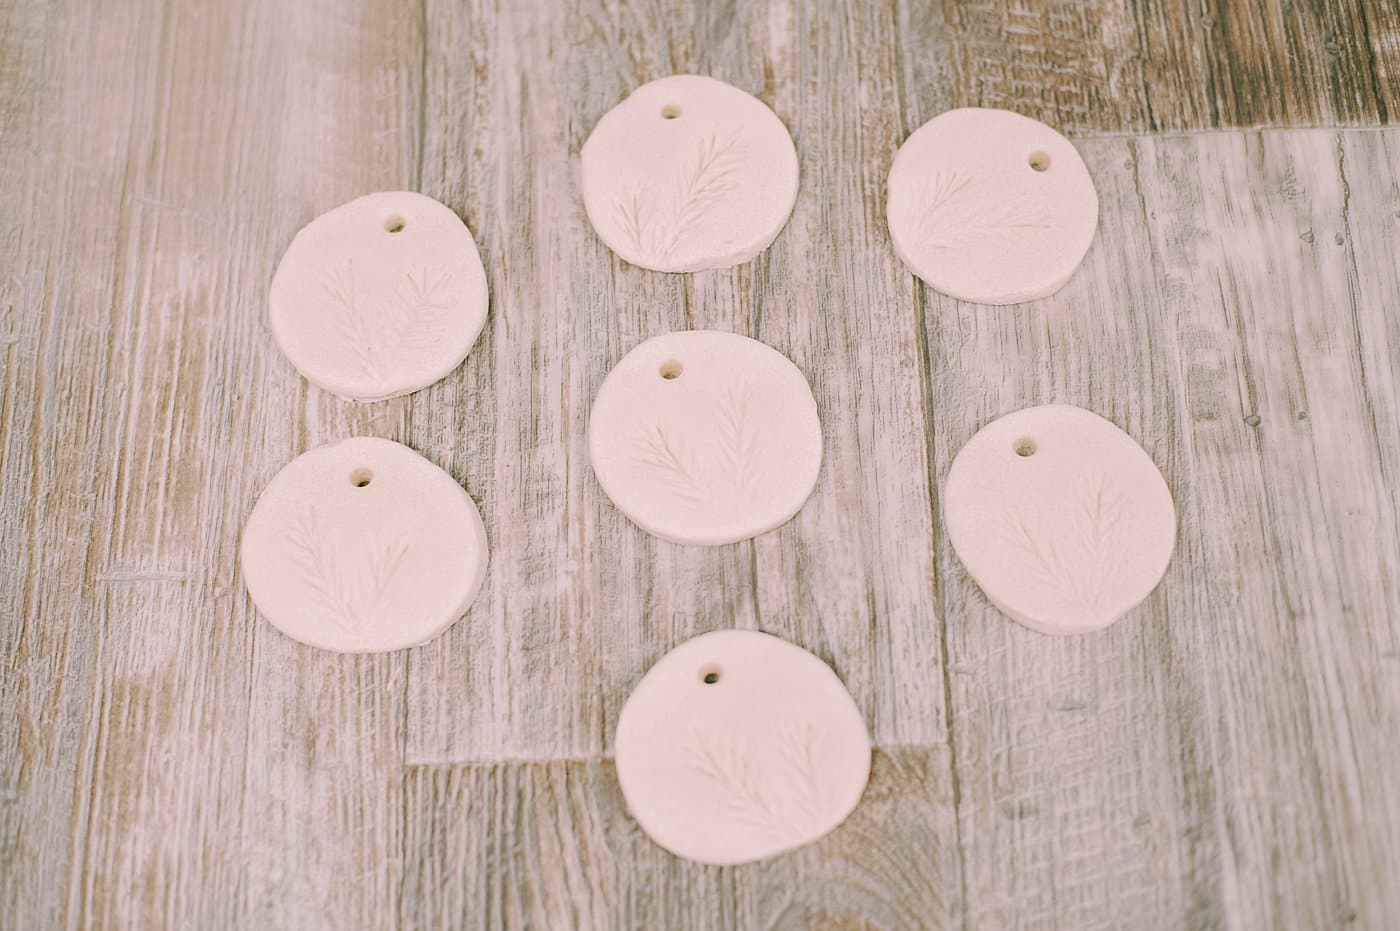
x,y
1060,517
991,206
737,746
363,546
689,173
379,297
705,437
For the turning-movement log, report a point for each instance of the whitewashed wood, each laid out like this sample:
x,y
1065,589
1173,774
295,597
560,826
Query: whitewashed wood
x,y
204,783
1226,757
1267,290
320,808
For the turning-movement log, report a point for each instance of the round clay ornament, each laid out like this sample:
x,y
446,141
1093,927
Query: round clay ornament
x,y
991,206
705,437
1060,517
689,173
737,746
379,297
363,546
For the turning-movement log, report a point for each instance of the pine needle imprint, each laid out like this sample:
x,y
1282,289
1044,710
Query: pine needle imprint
x,y
666,457
750,794
739,439
656,234
412,320
348,597
631,220
1078,561
351,323
798,750
729,472
951,216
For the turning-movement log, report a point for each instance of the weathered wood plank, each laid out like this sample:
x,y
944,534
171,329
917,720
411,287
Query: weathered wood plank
x,y
221,775
1256,238
61,191
321,808
550,845
1143,66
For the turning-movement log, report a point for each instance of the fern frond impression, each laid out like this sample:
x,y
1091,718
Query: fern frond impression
x,y
349,320
660,453
710,176
739,439
423,303
715,757
317,565
950,218
1079,559
348,597
699,184
413,319
630,218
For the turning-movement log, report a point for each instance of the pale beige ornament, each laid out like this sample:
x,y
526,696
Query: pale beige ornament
x,y
689,173
705,437
1060,517
991,206
379,297
737,746
363,546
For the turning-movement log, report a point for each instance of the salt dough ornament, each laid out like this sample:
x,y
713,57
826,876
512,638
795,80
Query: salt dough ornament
x,y
991,206
705,437
363,546
737,746
689,173
1061,518
379,297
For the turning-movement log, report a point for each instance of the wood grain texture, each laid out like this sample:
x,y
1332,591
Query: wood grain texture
x,y
1147,66
1224,757
550,845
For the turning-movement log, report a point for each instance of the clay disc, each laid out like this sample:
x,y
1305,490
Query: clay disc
x,y
1060,517
363,546
689,173
991,206
379,297
737,746
705,437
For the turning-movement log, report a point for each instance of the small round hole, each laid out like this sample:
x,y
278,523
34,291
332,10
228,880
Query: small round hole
x,y
1039,161
361,477
670,370
709,675
670,111
1025,447
394,224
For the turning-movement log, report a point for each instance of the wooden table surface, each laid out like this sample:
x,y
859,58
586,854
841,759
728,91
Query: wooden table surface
x,y
1226,756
